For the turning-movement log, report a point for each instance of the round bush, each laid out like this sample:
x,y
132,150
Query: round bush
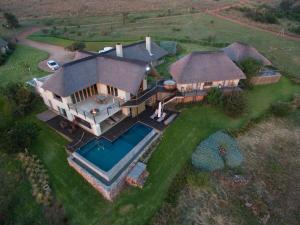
x,y
216,151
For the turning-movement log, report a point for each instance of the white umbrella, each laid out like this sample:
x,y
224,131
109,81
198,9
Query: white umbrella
x,y
159,110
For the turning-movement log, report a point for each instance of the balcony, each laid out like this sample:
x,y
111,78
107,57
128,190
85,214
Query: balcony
x,y
97,108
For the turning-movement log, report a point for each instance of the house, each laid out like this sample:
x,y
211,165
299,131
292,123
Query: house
x,y
197,72
146,51
3,46
91,91
238,52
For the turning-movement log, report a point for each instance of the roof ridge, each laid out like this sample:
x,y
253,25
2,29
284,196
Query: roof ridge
x,y
125,46
136,61
79,60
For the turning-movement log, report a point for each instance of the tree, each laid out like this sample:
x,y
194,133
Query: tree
x,y
214,97
20,97
76,46
235,104
250,67
11,20
19,137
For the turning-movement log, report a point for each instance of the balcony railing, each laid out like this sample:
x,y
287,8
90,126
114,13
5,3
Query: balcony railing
x,y
95,112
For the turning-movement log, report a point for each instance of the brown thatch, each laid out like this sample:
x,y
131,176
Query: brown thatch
x,y
238,52
125,74
200,67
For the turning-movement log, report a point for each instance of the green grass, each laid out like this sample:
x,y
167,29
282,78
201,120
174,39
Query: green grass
x,y
90,45
22,65
195,123
24,209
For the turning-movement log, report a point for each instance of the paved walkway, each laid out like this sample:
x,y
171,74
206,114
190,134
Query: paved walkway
x,y
57,53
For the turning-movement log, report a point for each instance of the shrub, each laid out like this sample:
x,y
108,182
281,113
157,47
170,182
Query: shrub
x,y
281,108
21,98
250,67
214,97
235,104
19,137
76,46
295,30
11,20
216,151
263,16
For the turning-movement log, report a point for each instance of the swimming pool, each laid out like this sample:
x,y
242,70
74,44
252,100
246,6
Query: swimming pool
x,y
105,154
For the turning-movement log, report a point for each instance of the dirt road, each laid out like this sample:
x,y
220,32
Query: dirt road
x,y
57,53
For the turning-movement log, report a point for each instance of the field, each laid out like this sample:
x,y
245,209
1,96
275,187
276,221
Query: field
x,y
67,8
270,194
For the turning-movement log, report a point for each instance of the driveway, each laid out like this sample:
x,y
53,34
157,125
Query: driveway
x,y
56,53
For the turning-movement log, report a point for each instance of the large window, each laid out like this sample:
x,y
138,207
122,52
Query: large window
x,y
208,84
112,90
84,94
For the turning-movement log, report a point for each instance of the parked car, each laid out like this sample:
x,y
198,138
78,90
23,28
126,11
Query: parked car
x,y
52,65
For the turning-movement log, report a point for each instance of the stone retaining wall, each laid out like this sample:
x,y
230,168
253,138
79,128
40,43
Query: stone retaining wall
x,y
257,80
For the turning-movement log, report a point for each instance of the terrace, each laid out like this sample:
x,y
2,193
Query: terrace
x,y
96,109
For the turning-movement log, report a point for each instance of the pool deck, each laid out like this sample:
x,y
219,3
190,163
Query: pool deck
x,y
76,137
79,136
116,131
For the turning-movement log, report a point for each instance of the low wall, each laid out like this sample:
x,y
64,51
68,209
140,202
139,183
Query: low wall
x,y
189,99
257,80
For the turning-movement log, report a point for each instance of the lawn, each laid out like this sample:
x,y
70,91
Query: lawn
x,y
20,192
22,65
90,45
85,206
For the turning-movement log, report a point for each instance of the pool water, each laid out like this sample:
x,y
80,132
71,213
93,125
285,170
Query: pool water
x,y
105,154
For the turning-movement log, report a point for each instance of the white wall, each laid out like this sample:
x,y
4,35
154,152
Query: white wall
x,y
200,86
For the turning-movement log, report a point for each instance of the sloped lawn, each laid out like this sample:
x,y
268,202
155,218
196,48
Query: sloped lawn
x,y
85,206
22,65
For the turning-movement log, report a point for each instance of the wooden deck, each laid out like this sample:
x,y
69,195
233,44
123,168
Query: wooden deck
x,y
77,136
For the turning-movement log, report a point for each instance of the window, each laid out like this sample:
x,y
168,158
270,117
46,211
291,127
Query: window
x,y
208,83
77,97
84,93
111,90
73,98
57,97
81,95
95,89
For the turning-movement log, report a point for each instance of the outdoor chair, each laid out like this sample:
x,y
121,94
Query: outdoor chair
x,y
154,114
162,117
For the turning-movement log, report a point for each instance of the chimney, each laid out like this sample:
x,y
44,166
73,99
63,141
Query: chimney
x,y
148,44
119,50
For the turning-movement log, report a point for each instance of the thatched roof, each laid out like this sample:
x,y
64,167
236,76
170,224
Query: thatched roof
x,y
125,74
138,51
238,51
199,67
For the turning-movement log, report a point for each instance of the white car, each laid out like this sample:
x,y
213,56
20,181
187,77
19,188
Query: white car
x,y
52,65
